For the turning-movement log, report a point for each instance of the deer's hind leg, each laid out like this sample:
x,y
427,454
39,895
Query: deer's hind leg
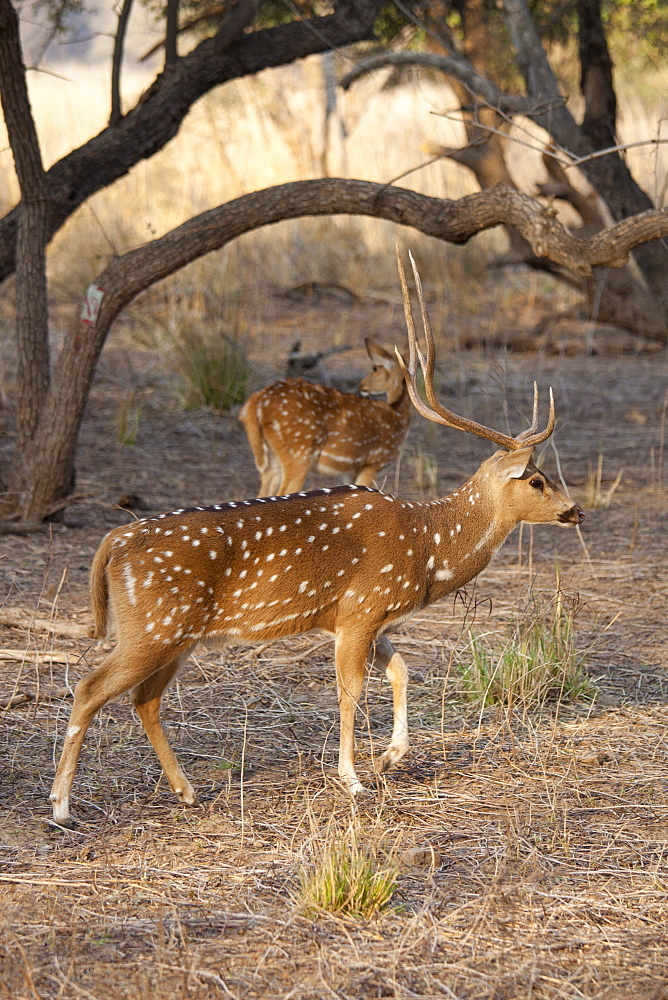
x,y
117,673
271,475
367,476
287,465
146,698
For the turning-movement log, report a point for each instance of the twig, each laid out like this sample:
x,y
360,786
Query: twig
x,y
19,655
24,618
15,701
568,159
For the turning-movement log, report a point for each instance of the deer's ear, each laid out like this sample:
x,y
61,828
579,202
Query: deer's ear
x,y
379,355
513,464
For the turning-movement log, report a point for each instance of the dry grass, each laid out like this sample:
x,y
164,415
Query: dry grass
x,y
596,495
536,658
544,833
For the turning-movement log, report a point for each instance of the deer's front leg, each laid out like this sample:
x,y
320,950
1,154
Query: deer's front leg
x,y
397,674
350,653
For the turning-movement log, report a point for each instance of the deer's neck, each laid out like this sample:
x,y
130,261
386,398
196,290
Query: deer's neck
x,y
462,535
403,407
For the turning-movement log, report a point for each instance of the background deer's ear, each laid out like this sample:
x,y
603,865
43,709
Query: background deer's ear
x,y
513,464
379,355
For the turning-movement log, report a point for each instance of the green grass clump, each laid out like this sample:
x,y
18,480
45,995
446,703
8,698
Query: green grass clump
x,y
128,418
213,369
347,879
535,660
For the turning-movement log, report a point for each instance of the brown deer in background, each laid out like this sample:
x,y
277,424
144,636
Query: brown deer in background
x,y
295,426
350,561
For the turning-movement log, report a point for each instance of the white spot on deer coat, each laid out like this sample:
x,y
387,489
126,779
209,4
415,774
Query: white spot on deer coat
x,y
130,583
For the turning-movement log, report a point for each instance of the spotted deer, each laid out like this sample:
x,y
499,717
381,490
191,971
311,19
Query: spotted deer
x,y
350,561
295,426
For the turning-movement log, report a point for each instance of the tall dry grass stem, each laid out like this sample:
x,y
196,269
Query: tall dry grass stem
x,y
596,496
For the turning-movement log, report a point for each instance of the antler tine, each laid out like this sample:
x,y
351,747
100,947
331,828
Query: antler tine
x,y
544,435
436,411
534,419
410,372
534,422
428,368
529,436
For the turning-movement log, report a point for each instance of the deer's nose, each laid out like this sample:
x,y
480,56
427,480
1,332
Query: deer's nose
x,y
574,515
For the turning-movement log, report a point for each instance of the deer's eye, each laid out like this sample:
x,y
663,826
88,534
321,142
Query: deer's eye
x,y
536,483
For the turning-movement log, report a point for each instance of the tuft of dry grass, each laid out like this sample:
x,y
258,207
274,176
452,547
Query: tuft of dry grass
x,y
596,496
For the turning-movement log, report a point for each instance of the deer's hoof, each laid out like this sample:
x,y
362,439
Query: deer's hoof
x,y
389,758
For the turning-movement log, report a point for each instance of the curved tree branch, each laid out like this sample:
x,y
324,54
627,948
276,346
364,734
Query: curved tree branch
x,y
452,221
117,61
157,116
460,69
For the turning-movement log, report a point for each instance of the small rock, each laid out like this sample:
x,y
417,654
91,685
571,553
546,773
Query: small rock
x,y
421,857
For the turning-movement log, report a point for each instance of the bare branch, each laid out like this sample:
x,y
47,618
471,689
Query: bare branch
x,y
117,61
556,152
462,70
171,32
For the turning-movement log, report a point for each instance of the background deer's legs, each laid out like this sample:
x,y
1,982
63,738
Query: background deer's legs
x,y
271,476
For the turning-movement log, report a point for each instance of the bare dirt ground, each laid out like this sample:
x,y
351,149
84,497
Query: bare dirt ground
x,y
549,877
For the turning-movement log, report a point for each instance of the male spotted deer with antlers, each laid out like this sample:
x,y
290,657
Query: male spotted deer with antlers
x,y
295,426
349,561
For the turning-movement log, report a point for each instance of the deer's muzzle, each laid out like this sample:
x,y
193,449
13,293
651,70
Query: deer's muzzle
x,y
574,515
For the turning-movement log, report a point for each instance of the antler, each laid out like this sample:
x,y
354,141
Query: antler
x,y
436,412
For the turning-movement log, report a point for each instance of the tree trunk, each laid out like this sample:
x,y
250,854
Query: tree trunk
x,y
484,154
32,228
599,125
609,175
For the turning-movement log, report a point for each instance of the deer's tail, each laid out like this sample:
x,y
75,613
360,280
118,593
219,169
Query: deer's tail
x,y
99,589
249,418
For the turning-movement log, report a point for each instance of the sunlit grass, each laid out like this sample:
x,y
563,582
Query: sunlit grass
x,y
596,496
346,877
128,418
537,658
212,369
